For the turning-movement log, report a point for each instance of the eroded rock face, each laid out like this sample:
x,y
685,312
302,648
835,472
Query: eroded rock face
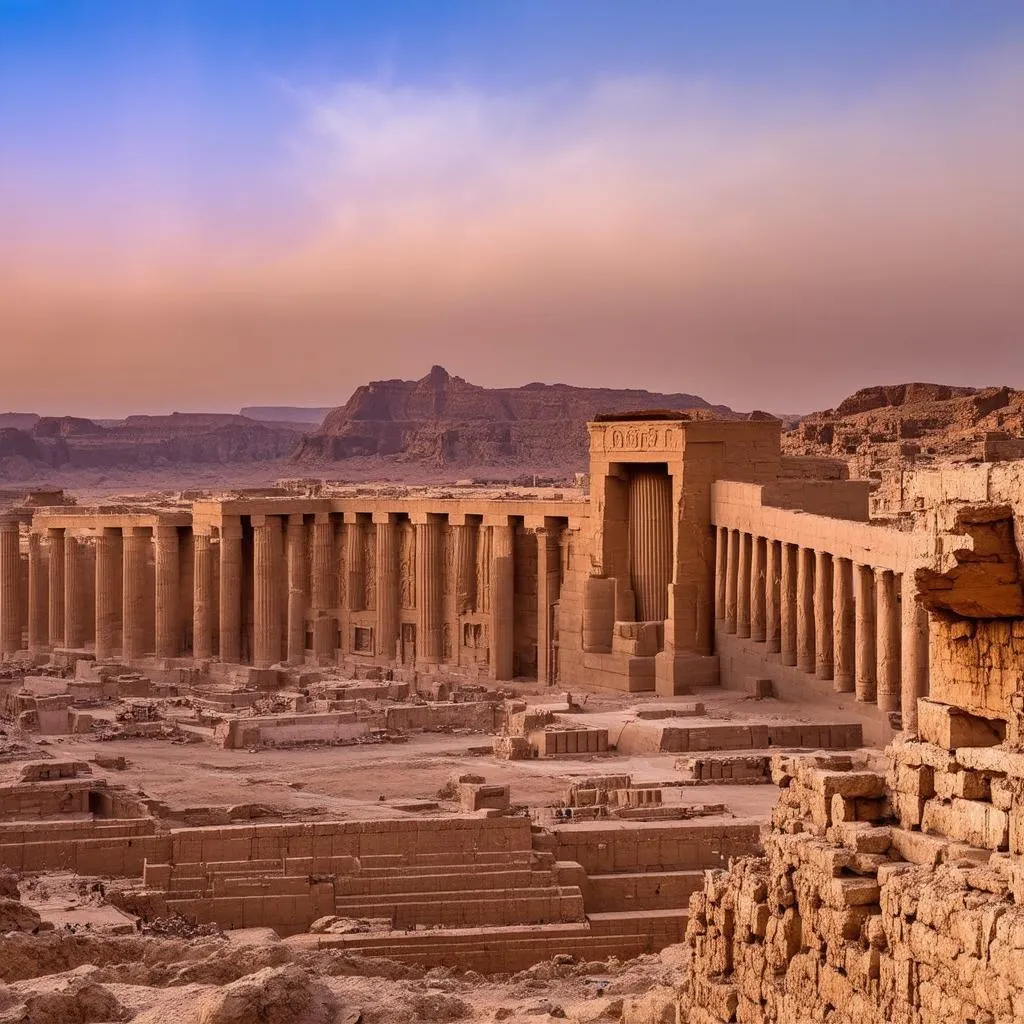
x,y
444,420
275,995
986,581
16,917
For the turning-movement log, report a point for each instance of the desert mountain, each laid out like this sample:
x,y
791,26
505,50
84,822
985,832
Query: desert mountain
x,y
443,420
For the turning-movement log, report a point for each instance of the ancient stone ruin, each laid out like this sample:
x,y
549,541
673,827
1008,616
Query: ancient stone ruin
x,y
709,701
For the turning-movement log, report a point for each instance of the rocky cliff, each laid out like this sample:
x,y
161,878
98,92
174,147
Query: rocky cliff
x,y
877,427
70,443
445,421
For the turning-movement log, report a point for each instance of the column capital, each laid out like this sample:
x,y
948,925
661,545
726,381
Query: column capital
x,y
231,527
322,518
135,531
383,518
350,518
164,531
457,519
55,531
427,518
10,523
295,519
497,520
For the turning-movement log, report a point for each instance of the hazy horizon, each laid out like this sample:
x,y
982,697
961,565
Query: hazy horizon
x,y
213,205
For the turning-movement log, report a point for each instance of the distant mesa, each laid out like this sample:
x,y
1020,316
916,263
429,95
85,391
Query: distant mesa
x,y
443,420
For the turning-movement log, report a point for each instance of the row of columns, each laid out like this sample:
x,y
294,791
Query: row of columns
x,y
857,625
124,585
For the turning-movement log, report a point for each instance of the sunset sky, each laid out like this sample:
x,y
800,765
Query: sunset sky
x,y
216,203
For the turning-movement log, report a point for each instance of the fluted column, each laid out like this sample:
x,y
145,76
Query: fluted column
x,y
321,574
549,554
502,601
788,603
386,632
823,640
108,543
914,650
758,556
73,583
772,595
296,589
55,543
10,585
202,594
888,640
805,610
135,542
732,577
429,595
168,628
37,590
230,611
355,566
743,584
843,625
650,542
865,666
721,570
465,567
266,623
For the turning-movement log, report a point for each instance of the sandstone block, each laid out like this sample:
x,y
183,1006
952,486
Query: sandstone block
x,y
951,727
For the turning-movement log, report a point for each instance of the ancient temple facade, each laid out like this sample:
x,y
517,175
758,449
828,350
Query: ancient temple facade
x,y
700,555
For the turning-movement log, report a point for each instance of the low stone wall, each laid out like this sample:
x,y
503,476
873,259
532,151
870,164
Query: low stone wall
x,y
276,730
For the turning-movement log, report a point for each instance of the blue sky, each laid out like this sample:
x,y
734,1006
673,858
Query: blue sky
x,y
204,172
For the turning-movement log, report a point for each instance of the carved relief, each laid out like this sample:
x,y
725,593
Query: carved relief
x,y
483,571
446,642
448,561
406,566
636,438
369,556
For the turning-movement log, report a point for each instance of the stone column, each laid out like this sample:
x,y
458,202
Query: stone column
x,y
135,543
296,589
549,554
914,648
168,625
266,623
843,625
73,584
10,585
202,594
823,615
465,567
354,562
805,610
502,601
230,611
772,606
386,631
864,634
887,618
107,544
721,570
758,594
732,576
37,589
55,542
787,604
743,584
322,572
429,591
650,542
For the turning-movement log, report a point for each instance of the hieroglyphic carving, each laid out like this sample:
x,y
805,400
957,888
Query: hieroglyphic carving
x,y
641,438
447,561
406,566
483,571
369,558
446,641
338,594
